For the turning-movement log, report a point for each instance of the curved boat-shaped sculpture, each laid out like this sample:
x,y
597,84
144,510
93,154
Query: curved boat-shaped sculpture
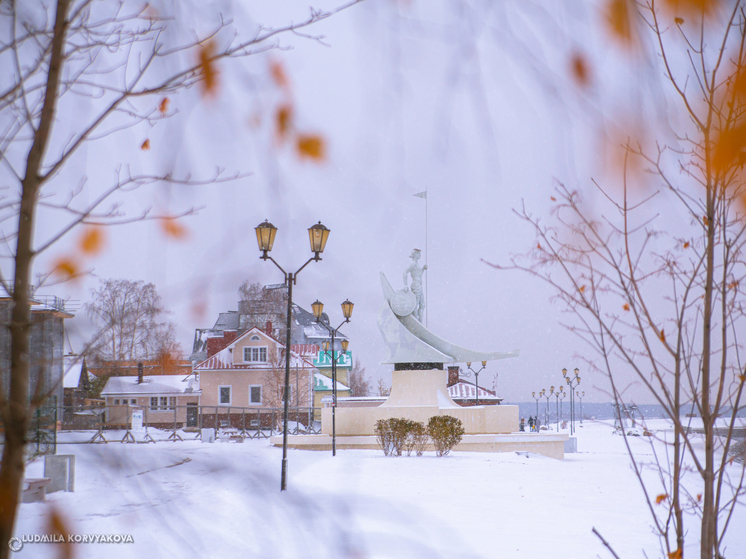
x,y
400,303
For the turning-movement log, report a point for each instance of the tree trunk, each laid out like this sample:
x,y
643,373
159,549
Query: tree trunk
x,y
15,411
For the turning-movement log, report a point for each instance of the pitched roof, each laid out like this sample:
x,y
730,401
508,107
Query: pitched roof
x,y
157,384
224,358
464,390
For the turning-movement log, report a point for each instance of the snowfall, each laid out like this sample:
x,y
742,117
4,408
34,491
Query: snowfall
x,y
191,499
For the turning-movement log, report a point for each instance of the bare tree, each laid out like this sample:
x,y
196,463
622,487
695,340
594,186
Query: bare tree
x,y
382,388
121,59
263,306
665,302
359,383
128,316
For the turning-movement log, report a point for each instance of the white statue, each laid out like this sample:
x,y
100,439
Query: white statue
x,y
416,271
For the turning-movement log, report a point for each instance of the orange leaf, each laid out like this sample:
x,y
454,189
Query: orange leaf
x,y
579,69
92,240
66,267
693,7
163,107
705,220
686,244
278,74
742,378
207,68
618,17
172,228
675,554
538,245
699,497
660,498
625,306
582,288
57,526
283,120
145,145
679,21
553,199
663,336
311,146
730,149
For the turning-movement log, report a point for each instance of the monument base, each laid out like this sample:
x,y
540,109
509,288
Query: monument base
x,y
419,395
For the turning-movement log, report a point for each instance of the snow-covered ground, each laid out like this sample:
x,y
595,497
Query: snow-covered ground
x,y
189,499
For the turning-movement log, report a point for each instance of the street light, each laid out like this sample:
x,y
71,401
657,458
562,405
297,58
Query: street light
x,y
562,396
570,381
557,395
476,375
318,308
547,395
537,398
580,395
265,238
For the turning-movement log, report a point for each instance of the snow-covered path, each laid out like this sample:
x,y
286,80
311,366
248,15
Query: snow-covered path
x,y
189,499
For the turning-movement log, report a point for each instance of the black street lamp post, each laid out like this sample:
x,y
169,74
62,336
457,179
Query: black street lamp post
x,y
572,383
557,397
562,396
318,308
265,237
476,375
580,395
547,395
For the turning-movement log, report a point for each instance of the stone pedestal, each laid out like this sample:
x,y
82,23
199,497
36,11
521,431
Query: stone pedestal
x,y
419,395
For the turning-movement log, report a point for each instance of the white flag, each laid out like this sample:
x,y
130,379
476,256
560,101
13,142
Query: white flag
x,y
422,194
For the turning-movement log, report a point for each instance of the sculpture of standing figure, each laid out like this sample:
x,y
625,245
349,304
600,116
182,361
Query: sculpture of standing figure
x,y
416,271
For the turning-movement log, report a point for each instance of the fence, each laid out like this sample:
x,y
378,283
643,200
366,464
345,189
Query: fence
x,y
183,421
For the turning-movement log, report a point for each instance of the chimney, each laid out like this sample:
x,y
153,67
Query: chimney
x,y
268,327
139,373
453,375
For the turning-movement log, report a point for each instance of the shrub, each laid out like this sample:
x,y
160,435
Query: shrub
x,y
397,435
446,432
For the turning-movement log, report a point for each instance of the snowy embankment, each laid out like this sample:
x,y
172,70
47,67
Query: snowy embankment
x,y
189,499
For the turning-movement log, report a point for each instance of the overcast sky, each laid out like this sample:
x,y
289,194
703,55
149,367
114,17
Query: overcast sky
x,y
471,101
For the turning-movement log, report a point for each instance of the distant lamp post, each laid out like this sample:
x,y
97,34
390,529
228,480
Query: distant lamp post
x,y
580,395
476,375
562,396
265,238
572,383
318,308
547,395
537,398
556,402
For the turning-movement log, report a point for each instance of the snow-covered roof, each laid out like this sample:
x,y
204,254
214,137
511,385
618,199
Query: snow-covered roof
x,y
155,384
72,375
324,383
463,390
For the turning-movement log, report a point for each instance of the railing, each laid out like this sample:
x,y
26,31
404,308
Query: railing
x,y
128,423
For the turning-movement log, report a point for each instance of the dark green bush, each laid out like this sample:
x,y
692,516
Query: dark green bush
x,y
446,432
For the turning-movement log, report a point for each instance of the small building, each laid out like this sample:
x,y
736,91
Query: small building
x,y
46,340
166,400
464,393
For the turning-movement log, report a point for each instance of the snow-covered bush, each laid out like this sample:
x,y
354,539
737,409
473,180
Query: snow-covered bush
x,y
446,432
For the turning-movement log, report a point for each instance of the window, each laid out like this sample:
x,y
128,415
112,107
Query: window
x,y
255,395
255,338
162,403
255,354
133,401
224,395
116,401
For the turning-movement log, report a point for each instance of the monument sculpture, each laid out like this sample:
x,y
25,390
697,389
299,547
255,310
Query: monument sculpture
x,y
419,384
